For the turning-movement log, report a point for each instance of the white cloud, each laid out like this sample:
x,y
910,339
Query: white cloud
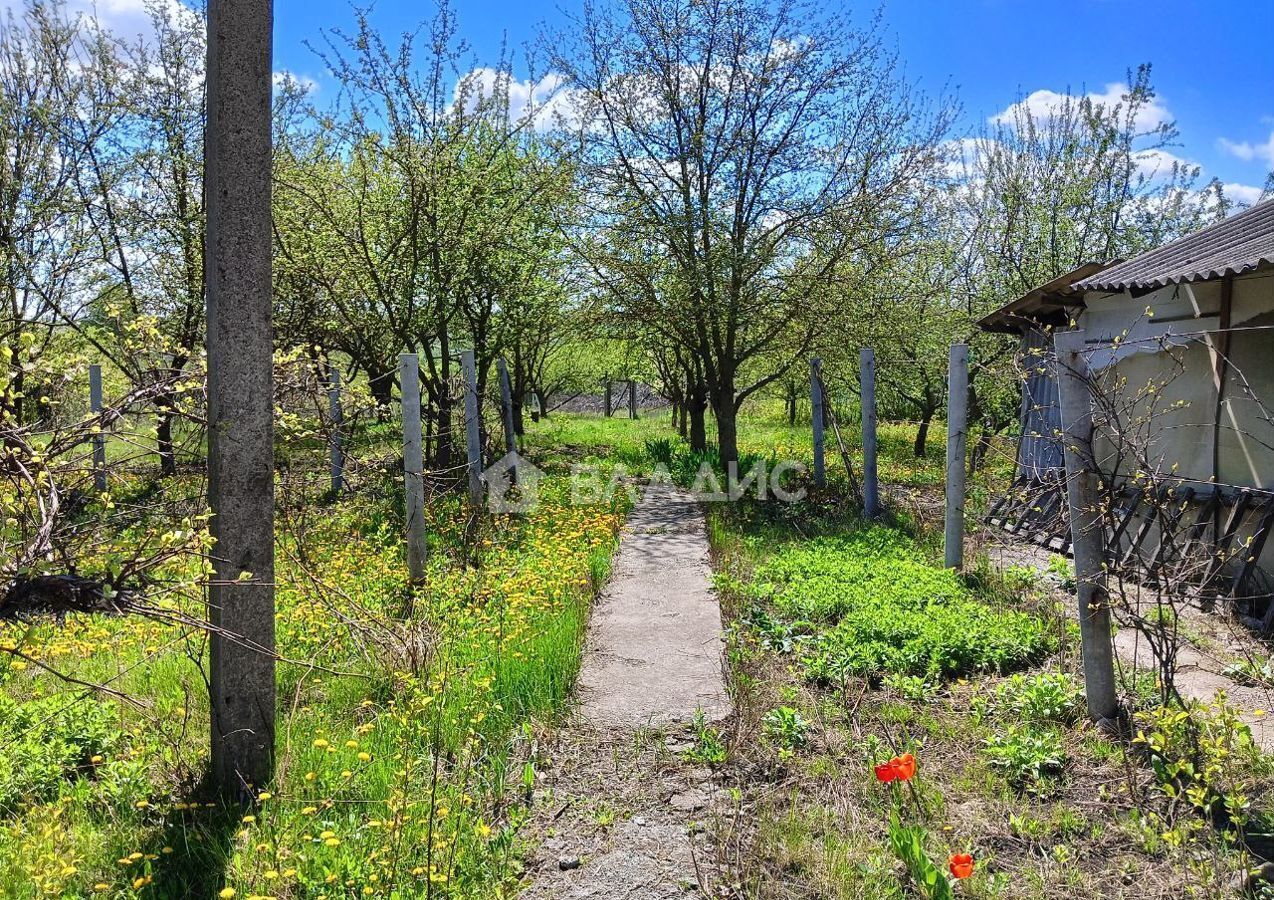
x,y
1249,152
1242,193
543,102
962,157
307,84
128,19
1043,104
1159,163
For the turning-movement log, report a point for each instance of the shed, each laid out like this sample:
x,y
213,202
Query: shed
x,y
1181,340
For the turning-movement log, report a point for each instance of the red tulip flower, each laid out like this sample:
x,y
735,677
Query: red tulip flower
x,y
900,768
905,766
887,772
961,865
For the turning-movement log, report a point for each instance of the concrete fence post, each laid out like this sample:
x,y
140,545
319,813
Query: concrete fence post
x,y
413,465
237,263
816,413
957,452
867,381
99,438
506,407
336,414
1083,495
472,427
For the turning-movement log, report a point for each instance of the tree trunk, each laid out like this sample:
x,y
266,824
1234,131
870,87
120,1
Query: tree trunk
x,y
544,402
442,412
980,451
727,429
164,437
922,435
382,390
791,403
519,424
697,407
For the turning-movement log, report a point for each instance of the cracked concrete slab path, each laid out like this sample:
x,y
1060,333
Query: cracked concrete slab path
x,y
655,645
618,806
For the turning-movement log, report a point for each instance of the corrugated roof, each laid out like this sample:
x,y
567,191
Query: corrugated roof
x,y
1040,301
1242,243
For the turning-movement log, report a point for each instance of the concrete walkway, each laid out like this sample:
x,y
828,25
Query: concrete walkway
x,y
617,803
1199,677
654,654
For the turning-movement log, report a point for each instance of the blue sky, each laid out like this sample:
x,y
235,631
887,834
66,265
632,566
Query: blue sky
x,y
1213,63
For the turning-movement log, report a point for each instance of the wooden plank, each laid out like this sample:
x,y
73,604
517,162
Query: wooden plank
x,y
1169,523
1259,537
1127,512
1241,505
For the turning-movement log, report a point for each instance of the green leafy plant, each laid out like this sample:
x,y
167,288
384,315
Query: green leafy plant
x,y
47,741
1029,757
882,609
1193,752
1044,697
787,728
774,634
912,687
908,844
1062,570
664,450
1248,672
708,747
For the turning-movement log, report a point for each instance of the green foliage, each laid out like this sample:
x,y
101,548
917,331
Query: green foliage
x,y
786,728
890,612
1063,570
1042,697
48,741
663,450
912,687
1194,753
1249,672
1030,757
908,844
708,747
774,634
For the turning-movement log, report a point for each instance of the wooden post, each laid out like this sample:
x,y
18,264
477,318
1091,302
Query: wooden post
x,y
871,484
816,408
957,451
413,465
337,416
632,399
1087,531
472,427
99,439
607,399
506,405
237,255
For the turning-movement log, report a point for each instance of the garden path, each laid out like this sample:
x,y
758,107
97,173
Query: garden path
x,y
1210,643
617,802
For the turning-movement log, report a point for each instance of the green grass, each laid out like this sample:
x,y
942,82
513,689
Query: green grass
x,y
401,741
